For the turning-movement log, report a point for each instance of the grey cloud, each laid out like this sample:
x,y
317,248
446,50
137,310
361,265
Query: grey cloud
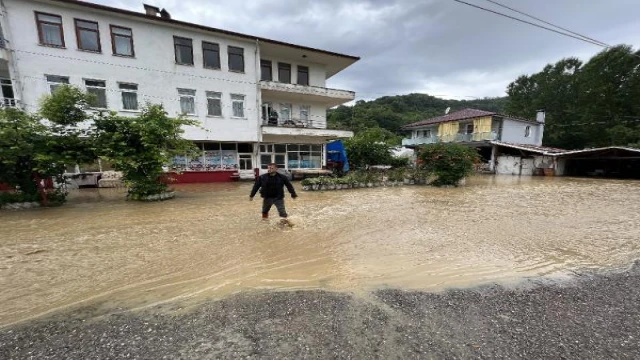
x,y
438,46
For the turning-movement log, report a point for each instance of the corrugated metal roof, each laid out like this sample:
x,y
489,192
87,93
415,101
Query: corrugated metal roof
x,y
550,151
544,150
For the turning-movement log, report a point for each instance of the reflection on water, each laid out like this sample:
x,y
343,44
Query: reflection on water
x,y
210,241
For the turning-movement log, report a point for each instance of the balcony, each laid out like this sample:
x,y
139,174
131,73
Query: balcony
x,y
331,97
295,123
301,129
456,138
420,141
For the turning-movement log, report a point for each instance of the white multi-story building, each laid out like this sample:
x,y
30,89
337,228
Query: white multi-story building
x,y
257,100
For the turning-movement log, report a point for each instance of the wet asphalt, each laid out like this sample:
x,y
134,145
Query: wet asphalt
x,y
592,316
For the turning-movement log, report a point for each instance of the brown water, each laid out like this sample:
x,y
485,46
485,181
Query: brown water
x,y
210,241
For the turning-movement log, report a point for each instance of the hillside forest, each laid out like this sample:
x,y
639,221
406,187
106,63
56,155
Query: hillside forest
x,y
588,104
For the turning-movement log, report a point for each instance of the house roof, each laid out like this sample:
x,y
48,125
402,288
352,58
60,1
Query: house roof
x,y
550,151
583,151
464,114
543,150
202,27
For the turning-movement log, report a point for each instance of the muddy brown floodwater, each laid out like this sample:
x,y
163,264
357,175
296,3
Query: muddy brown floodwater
x,y
210,242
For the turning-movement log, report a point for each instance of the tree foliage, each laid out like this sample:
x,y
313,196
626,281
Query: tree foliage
x,y
23,151
448,162
371,147
33,149
587,105
141,146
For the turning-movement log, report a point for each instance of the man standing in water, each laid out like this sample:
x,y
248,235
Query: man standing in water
x,y
271,187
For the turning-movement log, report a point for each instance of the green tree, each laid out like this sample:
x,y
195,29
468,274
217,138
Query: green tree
x,y
32,150
23,147
449,162
141,146
371,147
69,118
584,103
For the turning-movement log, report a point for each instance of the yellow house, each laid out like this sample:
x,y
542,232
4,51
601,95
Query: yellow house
x,y
477,128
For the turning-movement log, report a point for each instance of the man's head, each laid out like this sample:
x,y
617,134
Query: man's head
x,y
273,168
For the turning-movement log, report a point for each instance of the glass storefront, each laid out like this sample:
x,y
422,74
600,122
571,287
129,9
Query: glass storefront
x,y
216,156
291,156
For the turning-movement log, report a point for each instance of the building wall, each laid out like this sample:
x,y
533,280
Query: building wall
x,y
317,72
514,132
153,68
517,165
514,165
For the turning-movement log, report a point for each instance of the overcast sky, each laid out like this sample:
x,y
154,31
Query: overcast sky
x,y
439,47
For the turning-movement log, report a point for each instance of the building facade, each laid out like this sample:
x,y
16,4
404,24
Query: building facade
x,y
257,100
476,127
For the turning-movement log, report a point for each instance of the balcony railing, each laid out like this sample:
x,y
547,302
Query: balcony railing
x,y
484,136
307,90
8,102
295,123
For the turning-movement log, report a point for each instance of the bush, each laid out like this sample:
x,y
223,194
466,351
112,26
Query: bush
x,y
450,163
141,146
8,197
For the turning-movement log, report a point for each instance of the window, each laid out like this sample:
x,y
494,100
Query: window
x,y
214,103
122,41
284,73
184,50
237,103
265,70
99,89
303,75
129,96
245,162
211,55
236,59
56,81
426,133
266,148
304,112
245,147
50,30
304,156
527,131
466,128
265,160
285,112
187,101
88,35
7,89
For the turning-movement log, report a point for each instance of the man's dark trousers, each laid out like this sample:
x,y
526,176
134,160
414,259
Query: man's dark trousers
x,y
268,202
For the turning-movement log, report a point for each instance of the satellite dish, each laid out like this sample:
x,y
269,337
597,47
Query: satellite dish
x,y
447,111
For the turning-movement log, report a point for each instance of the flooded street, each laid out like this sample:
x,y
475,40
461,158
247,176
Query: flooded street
x,y
210,241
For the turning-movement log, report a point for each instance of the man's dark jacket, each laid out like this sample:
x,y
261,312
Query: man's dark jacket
x,y
280,182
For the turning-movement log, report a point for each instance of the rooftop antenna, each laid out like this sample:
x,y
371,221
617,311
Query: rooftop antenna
x,y
447,110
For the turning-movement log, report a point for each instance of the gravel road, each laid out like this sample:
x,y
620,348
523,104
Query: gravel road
x,y
593,316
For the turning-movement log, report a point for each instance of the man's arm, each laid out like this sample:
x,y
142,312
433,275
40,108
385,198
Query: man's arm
x,y
256,187
287,183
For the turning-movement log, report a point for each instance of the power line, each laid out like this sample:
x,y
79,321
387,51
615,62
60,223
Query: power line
x,y
533,24
548,23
